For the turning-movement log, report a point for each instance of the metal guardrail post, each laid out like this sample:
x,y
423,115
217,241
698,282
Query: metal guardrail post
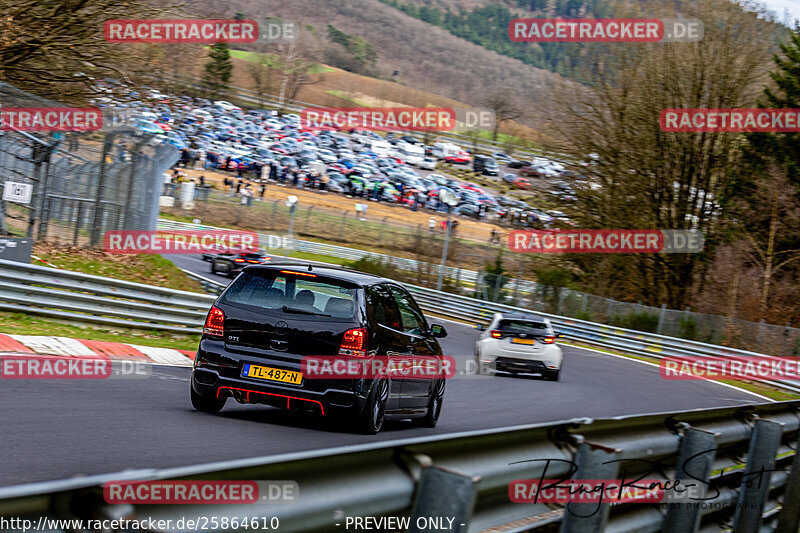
x,y
789,521
594,462
443,495
764,444
696,461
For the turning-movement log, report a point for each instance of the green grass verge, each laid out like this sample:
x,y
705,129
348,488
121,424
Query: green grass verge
x,y
142,268
24,324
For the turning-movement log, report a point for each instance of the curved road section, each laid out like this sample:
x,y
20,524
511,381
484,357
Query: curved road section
x,y
60,429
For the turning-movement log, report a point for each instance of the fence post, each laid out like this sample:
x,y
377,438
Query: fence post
x,y
497,287
516,286
380,234
341,232
274,210
609,308
97,227
562,293
760,332
305,222
78,221
661,315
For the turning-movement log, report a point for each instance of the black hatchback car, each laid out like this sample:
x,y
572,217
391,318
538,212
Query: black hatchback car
x,y
271,319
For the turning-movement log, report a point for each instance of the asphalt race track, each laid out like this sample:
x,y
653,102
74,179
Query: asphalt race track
x,y
56,429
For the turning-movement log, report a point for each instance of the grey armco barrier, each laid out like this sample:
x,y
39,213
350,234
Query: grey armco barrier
x,y
93,299
743,457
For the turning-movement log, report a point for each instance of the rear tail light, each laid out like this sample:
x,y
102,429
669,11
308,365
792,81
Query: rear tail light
x,y
548,340
215,323
354,343
496,333
237,260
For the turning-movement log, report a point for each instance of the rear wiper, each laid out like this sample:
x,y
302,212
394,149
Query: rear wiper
x,y
287,309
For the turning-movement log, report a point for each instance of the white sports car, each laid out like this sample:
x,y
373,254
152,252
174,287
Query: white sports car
x,y
519,344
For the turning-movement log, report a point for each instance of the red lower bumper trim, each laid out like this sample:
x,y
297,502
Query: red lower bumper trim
x,y
288,398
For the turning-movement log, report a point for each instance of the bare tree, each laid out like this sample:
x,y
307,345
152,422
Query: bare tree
x,y
56,49
260,74
505,105
649,178
772,214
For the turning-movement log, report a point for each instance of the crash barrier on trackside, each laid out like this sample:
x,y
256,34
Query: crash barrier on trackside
x,y
737,466
83,297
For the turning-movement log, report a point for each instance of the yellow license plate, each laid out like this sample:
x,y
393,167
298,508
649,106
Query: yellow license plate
x,y
272,374
517,340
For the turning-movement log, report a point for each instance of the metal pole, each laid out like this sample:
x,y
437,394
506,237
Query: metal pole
x,y
78,220
292,211
341,232
444,253
660,327
44,217
101,179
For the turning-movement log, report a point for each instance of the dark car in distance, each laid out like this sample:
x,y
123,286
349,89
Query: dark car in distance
x,y
485,165
270,318
231,263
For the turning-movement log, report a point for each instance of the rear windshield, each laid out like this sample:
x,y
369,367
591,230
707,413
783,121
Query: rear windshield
x,y
523,326
297,294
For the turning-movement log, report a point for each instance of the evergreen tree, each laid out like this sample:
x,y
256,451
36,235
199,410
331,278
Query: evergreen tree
x,y
218,69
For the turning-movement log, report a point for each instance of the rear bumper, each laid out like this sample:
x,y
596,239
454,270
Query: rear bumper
x,y
492,351
218,372
209,382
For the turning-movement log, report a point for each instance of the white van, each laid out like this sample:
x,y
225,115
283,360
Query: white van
x,y
442,150
380,148
413,154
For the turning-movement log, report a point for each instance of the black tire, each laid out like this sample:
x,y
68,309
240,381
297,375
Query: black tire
x,y
552,375
207,404
370,421
434,406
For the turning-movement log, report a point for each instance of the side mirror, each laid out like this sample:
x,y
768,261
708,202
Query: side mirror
x,y
480,327
438,331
